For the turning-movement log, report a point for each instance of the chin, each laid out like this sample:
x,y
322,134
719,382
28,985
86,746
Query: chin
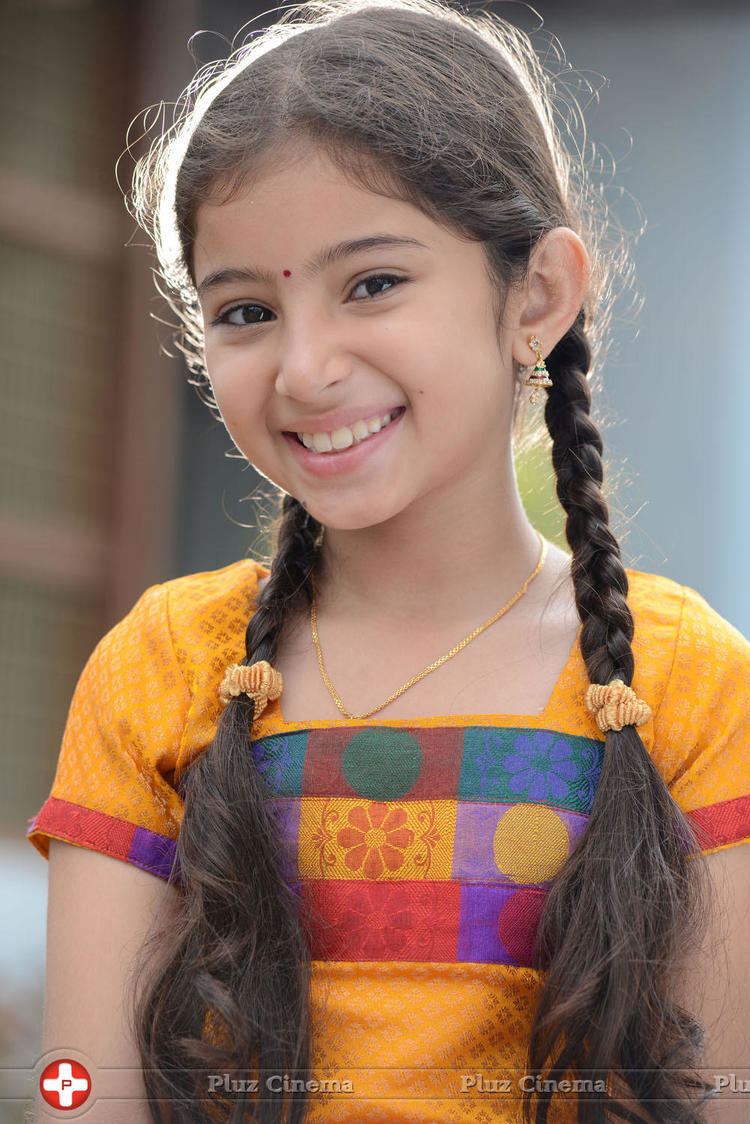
x,y
354,521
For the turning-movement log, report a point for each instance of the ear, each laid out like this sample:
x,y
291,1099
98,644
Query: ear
x,y
555,288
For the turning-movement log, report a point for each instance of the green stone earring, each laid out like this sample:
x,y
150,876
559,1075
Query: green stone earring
x,y
539,375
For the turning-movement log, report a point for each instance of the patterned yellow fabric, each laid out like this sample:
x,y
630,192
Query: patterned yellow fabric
x,y
427,844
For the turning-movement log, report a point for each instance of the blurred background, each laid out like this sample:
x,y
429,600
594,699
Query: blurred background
x,y
113,474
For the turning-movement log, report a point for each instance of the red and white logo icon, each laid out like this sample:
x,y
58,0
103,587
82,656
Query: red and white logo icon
x,y
65,1084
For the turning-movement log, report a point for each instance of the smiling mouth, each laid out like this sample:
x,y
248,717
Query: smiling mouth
x,y
396,414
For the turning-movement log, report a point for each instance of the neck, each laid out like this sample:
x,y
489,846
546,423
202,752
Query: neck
x,y
409,567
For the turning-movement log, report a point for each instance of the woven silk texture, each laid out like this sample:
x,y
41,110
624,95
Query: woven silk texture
x,y
421,850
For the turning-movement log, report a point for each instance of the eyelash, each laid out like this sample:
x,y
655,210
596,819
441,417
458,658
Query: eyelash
x,y
221,321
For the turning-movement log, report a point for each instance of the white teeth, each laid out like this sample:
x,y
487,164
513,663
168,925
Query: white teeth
x,y
321,443
345,436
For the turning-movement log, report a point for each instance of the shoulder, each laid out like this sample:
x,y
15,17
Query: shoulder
x,y
655,600
162,663
692,665
206,615
206,611
685,650
678,629
188,618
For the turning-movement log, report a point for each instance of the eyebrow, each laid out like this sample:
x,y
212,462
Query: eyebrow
x,y
328,256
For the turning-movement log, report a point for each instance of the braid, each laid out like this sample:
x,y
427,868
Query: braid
x,y
599,578
605,1006
289,582
239,970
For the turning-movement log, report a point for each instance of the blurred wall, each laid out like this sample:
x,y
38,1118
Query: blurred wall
x,y
679,84
90,418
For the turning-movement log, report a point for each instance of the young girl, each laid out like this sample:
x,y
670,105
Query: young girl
x,y
426,798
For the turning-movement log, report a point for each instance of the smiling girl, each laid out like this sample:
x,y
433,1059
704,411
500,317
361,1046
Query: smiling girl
x,y
493,900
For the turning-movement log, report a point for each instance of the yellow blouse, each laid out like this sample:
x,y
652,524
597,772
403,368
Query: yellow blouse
x,y
426,845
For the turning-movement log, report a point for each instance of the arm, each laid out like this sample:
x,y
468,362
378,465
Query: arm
x,y
701,745
99,912
717,988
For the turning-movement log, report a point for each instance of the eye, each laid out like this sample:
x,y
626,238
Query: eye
x,y
378,277
224,317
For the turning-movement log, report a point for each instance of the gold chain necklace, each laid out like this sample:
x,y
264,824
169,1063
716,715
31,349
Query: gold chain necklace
x,y
449,655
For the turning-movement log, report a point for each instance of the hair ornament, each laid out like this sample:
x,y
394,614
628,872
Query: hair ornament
x,y
615,705
259,680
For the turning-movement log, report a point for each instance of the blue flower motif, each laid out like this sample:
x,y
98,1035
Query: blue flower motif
x,y
590,771
541,766
273,756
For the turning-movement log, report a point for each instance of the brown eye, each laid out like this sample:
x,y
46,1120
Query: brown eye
x,y
378,277
223,319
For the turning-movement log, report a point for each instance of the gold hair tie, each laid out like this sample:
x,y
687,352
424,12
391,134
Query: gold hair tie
x,y
616,705
259,680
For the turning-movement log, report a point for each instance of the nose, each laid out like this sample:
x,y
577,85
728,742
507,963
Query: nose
x,y
311,359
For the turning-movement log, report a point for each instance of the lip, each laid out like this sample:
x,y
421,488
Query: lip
x,y
331,464
327,423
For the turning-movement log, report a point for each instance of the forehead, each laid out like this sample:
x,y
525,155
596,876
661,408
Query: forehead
x,y
282,216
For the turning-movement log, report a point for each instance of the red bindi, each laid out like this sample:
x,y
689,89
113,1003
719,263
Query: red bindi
x,y
287,273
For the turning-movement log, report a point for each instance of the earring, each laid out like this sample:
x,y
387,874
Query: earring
x,y
540,375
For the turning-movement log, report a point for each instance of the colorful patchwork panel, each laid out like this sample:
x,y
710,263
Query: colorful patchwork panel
x,y
427,843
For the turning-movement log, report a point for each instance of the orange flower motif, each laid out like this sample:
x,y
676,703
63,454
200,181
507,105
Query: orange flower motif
x,y
375,839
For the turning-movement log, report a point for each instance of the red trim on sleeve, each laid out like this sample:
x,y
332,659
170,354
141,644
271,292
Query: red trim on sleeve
x,y
727,821
84,826
120,839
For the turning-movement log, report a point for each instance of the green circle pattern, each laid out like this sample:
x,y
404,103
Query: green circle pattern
x,y
381,764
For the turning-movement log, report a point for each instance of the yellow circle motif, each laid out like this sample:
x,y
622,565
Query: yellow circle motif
x,y
531,843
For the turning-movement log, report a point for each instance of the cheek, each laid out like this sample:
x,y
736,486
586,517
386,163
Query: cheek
x,y
240,401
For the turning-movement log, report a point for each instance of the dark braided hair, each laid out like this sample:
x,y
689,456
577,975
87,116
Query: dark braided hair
x,y
616,918
237,885
454,114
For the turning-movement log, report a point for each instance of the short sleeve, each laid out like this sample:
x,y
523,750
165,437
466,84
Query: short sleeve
x,y
112,789
702,726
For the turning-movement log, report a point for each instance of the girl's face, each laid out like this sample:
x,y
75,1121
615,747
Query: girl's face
x,y
296,346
